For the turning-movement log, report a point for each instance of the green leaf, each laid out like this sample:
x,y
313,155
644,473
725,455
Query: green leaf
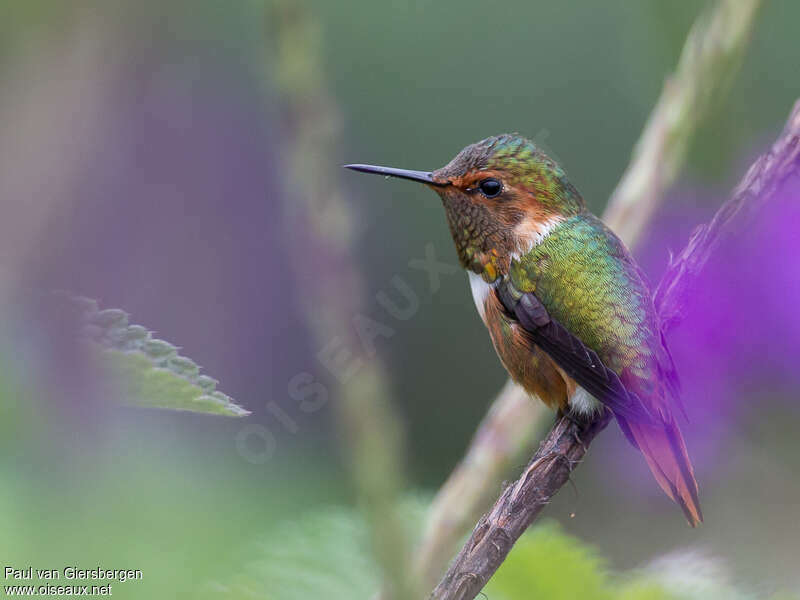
x,y
150,371
644,590
322,555
547,563
326,554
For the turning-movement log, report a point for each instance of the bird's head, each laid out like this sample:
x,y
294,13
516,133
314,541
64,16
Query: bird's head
x,y
502,195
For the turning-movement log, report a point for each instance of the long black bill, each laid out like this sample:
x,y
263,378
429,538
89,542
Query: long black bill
x,y
420,176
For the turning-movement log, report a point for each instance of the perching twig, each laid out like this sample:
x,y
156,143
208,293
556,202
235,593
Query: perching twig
x,y
517,507
505,433
708,61
768,174
565,445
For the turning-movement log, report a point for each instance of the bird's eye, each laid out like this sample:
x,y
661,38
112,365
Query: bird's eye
x,y
490,187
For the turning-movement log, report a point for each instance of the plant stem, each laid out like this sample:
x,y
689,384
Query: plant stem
x,y
567,442
371,431
709,60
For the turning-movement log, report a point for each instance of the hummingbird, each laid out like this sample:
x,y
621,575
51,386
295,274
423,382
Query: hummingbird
x,y
568,309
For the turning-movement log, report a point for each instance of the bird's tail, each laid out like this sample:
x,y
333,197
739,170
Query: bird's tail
x,y
666,455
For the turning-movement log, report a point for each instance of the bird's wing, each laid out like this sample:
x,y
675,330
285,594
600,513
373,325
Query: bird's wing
x,y
572,355
601,326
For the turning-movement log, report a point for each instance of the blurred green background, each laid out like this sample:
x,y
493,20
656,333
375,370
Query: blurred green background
x,y
142,150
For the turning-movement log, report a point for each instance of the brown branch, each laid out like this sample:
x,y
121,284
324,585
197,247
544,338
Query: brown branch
x,y
566,444
517,507
507,432
765,176
709,60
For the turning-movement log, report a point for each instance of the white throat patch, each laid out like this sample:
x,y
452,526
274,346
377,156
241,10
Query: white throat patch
x,y
480,291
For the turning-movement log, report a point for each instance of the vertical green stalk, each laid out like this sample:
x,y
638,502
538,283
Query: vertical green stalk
x,y
321,226
710,59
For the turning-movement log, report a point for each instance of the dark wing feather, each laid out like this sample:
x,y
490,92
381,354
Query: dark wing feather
x,y
573,356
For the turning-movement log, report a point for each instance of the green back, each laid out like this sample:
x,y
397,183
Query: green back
x,y
587,280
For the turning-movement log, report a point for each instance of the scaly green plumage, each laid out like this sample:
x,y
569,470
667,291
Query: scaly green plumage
x,y
530,229
589,282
